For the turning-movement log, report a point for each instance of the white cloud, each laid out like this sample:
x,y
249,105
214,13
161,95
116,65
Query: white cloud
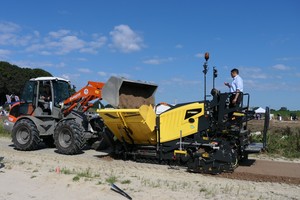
x,y
64,12
9,27
108,74
4,52
61,65
59,33
66,76
14,39
181,82
153,61
35,47
10,34
125,39
84,70
71,77
93,46
253,72
124,75
102,73
81,59
281,67
137,68
157,61
199,55
179,46
63,42
32,64
70,43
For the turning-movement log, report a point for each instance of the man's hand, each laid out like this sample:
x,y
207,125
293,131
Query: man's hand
x,y
227,84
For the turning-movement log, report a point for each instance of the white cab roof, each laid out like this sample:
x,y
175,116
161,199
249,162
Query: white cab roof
x,y
49,78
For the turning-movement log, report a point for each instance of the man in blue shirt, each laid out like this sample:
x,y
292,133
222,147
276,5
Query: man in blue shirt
x,y
236,87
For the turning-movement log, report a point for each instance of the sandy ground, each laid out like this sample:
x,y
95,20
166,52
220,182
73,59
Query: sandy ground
x,y
44,174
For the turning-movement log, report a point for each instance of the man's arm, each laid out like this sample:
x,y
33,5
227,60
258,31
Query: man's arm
x,y
236,96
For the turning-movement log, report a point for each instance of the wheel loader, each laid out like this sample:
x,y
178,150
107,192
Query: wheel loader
x,y
59,121
205,136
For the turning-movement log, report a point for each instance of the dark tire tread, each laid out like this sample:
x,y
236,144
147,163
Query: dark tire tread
x,y
77,139
34,140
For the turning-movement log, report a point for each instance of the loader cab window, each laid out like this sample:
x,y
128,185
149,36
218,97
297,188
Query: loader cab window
x,y
28,98
61,91
29,92
45,91
45,97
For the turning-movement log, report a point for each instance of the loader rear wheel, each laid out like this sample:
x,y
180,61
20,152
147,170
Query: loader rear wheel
x,y
25,135
69,137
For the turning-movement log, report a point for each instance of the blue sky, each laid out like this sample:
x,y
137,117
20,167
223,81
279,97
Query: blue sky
x,y
162,42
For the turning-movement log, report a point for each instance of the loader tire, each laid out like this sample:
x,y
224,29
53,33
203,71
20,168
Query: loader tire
x,y
69,137
25,135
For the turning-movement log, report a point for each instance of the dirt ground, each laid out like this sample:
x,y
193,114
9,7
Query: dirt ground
x,y
45,174
257,125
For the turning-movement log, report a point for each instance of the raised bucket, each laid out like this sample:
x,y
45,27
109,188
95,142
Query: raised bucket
x,y
124,93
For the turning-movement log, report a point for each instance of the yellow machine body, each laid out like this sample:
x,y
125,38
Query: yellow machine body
x,y
181,121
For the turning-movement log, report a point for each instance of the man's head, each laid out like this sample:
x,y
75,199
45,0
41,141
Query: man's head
x,y
234,72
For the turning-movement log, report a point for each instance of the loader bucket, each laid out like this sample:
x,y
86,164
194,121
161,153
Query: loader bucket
x,y
124,93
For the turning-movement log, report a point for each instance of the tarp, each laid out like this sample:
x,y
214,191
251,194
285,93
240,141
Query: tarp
x,y
260,110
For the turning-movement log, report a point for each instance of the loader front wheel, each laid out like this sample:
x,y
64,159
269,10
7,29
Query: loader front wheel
x,y
25,135
69,137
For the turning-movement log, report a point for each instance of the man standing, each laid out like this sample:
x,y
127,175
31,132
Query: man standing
x,y
236,87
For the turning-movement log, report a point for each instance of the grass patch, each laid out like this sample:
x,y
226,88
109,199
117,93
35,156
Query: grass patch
x,y
286,143
87,173
126,182
283,142
3,132
112,179
76,178
67,171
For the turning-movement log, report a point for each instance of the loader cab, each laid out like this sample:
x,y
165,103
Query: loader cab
x,y
42,96
51,92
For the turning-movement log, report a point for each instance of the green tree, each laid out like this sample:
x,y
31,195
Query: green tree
x,y
283,109
13,78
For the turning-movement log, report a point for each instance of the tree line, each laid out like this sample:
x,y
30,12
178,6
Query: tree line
x,y
13,78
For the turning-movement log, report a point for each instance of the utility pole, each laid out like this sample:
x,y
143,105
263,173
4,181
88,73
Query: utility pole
x,y
205,69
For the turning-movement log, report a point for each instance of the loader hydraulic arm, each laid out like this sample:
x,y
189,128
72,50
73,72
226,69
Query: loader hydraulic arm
x,y
80,100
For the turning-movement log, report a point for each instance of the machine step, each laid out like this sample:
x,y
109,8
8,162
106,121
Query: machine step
x,y
254,148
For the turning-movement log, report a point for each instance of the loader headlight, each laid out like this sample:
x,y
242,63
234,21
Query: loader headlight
x,y
61,105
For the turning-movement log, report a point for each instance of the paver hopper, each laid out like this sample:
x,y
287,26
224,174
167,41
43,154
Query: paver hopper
x,y
134,118
124,93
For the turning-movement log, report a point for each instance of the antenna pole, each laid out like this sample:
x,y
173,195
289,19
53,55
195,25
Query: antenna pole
x,y
205,69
